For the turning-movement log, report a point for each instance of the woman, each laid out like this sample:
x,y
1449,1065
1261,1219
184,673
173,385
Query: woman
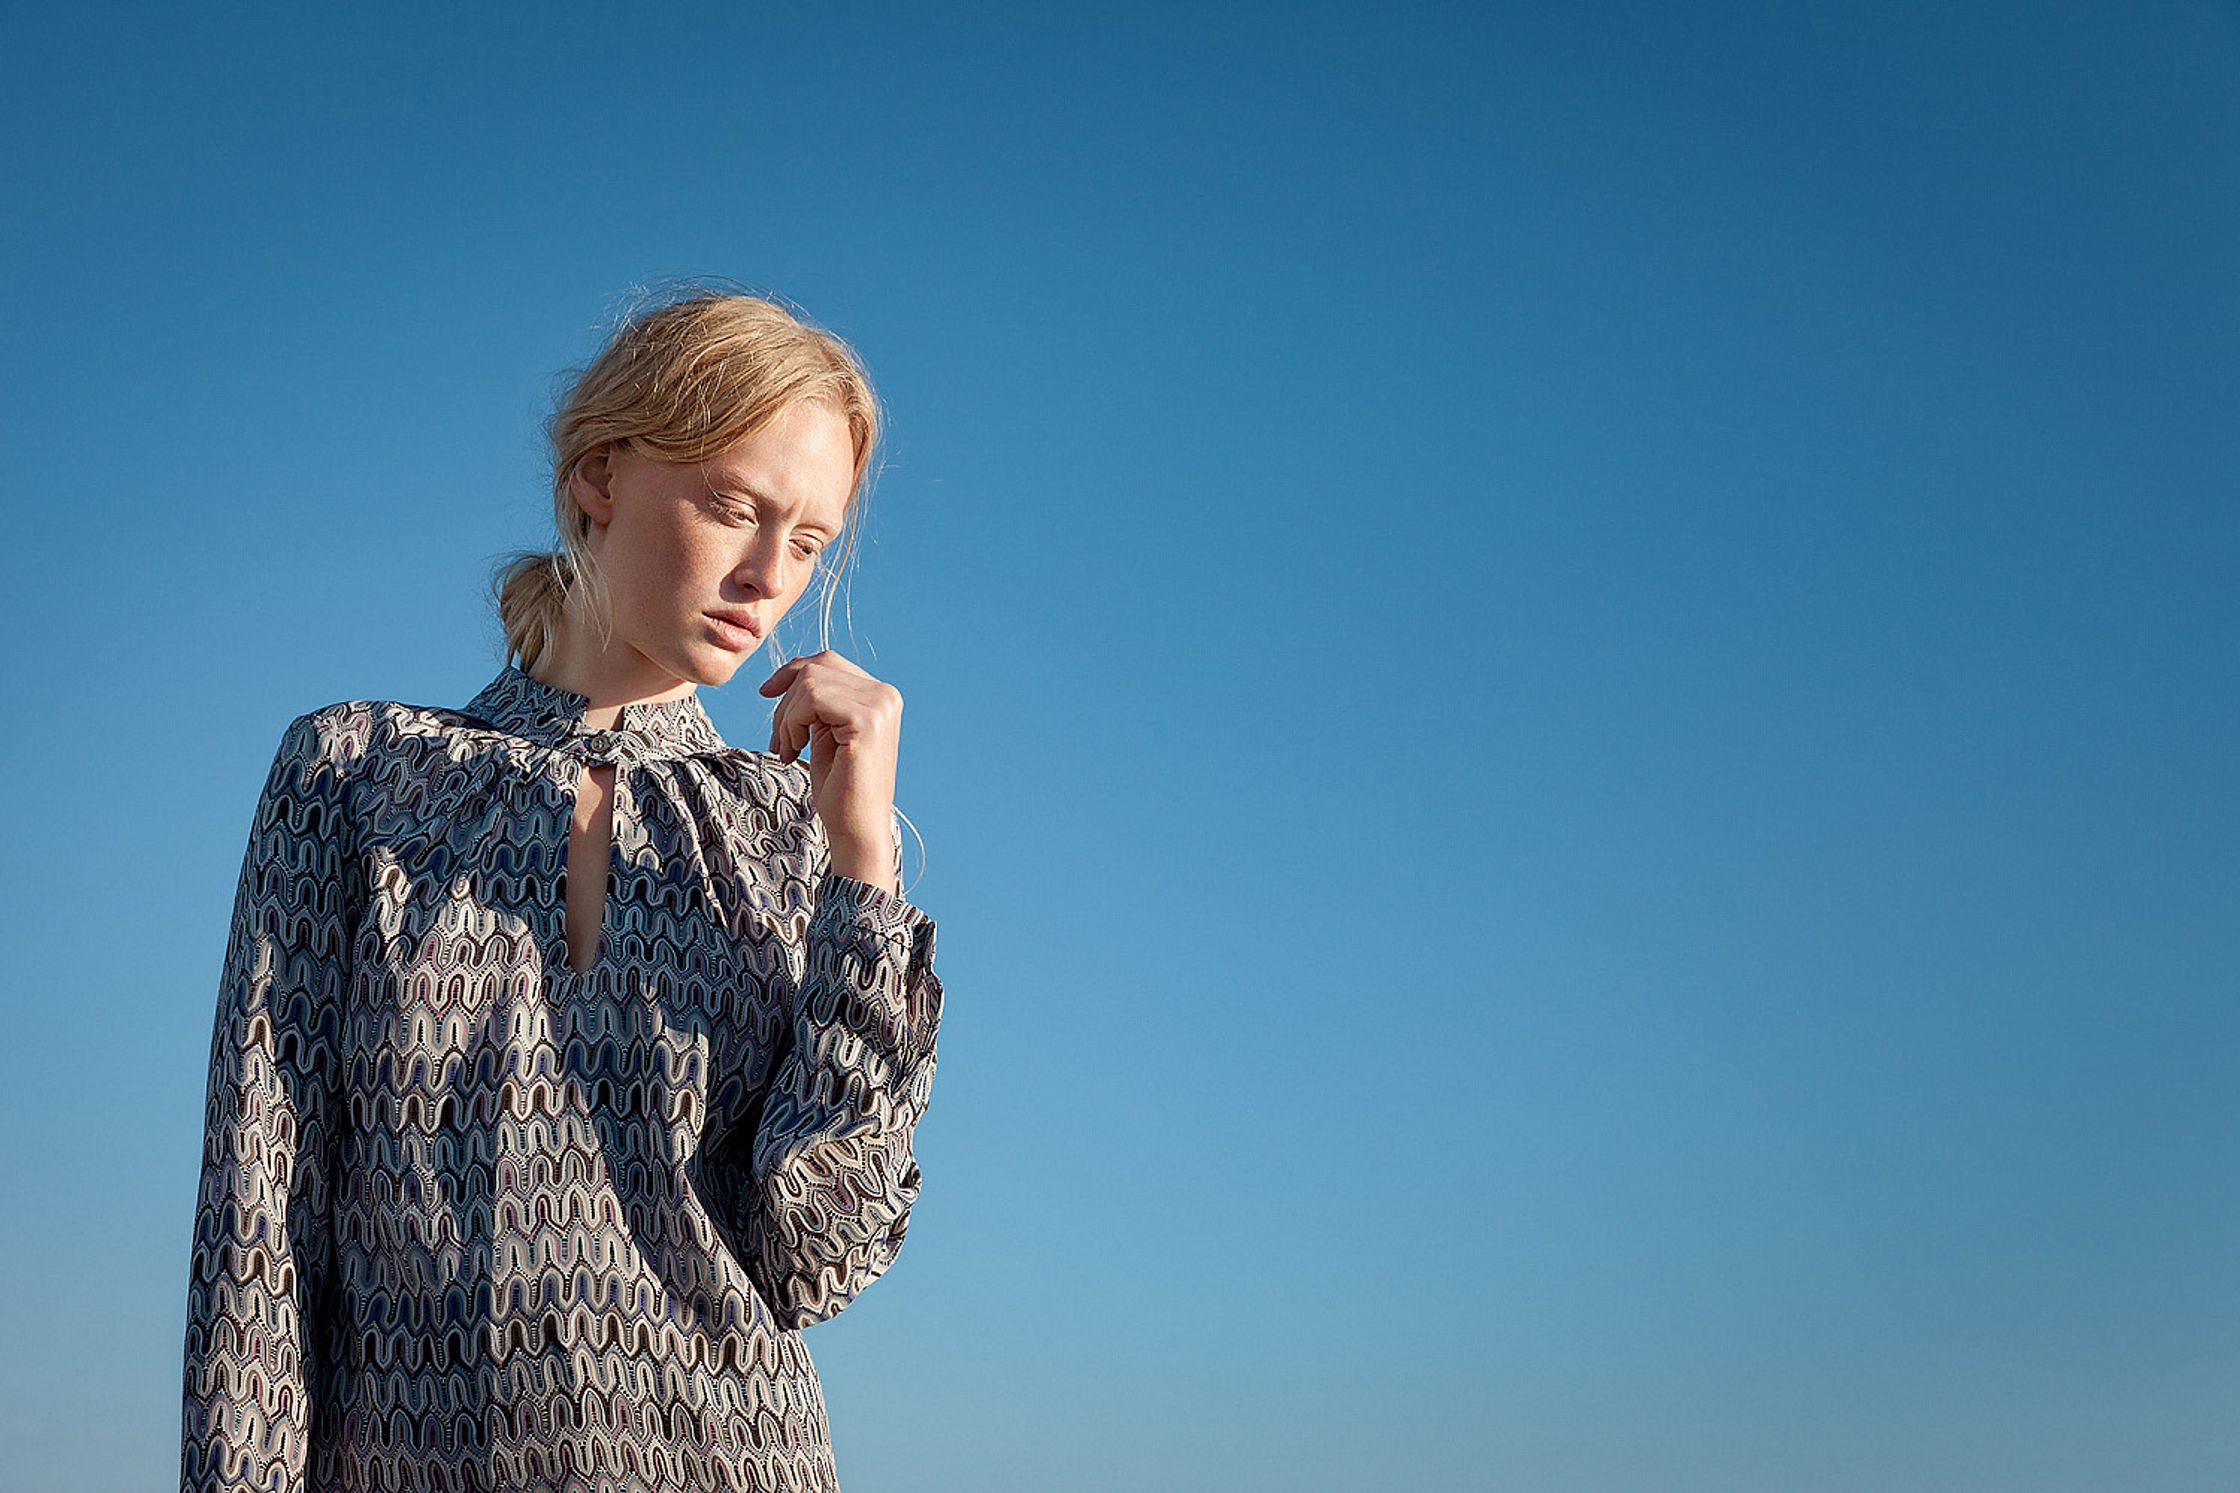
x,y
567,1059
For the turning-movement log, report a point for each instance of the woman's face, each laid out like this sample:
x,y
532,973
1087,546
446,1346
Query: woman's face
x,y
737,535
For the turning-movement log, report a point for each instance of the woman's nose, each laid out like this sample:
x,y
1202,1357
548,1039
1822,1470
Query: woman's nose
x,y
759,569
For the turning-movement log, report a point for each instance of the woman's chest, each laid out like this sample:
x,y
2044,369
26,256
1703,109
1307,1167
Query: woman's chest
x,y
472,866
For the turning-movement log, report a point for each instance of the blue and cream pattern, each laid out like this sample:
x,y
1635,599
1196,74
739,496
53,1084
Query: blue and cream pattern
x,y
472,1220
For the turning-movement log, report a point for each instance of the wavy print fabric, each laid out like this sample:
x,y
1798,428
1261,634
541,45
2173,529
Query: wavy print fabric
x,y
471,1220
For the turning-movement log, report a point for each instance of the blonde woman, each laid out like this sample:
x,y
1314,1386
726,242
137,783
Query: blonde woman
x,y
567,1058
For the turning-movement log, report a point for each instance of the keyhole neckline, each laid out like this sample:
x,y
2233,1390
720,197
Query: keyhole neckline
x,y
610,877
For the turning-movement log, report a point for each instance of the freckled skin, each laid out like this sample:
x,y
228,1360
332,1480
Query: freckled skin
x,y
676,539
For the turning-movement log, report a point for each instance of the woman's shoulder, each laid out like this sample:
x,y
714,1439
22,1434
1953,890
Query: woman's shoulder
x,y
360,727
363,728
348,734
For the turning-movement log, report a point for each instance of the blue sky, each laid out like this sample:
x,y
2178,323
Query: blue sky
x,y
1570,678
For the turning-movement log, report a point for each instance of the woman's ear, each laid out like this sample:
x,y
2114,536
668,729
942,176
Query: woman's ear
x,y
591,484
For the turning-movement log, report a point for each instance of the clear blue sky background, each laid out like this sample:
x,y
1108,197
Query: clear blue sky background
x,y
1571,676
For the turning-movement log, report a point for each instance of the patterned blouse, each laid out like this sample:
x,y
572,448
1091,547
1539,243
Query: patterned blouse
x,y
473,1220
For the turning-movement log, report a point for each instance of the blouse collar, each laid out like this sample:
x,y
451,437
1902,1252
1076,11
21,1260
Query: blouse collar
x,y
520,703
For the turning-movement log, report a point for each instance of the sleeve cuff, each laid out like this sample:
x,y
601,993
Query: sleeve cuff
x,y
885,931
869,905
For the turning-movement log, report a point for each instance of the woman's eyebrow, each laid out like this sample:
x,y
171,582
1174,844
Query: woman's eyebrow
x,y
725,479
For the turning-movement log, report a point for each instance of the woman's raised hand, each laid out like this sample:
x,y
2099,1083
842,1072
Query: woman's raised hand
x,y
851,725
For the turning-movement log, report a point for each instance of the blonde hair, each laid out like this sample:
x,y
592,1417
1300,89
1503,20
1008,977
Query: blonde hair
x,y
683,380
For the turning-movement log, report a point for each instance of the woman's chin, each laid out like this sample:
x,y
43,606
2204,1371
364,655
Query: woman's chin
x,y
711,663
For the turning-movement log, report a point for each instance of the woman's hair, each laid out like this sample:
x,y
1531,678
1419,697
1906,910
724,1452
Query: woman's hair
x,y
685,381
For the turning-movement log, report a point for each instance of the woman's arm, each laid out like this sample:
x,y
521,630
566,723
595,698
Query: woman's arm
x,y
262,1248
833,1172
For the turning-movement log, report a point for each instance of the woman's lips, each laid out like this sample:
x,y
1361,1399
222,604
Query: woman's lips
x,y
731,634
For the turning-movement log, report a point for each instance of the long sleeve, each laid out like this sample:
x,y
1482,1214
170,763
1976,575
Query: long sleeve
x,y
262,1255
833,1171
